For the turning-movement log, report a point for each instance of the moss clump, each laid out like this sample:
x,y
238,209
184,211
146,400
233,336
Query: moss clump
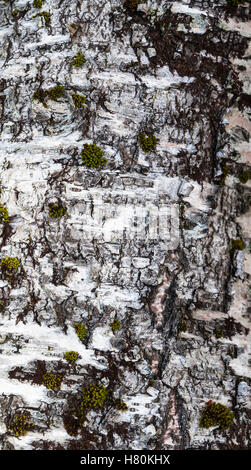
x,y
182,326
120,405
93,156
225,172
131,5
216,414
14,12
52,381
45,15
219,333
37,3
115,325
56,211
80,330
56,92
78,60
147,142
80,412
71,424
237,244
245,176
71,356
79,100
40,95
4,214
53,93
150,383
20,425
94,396
235,3
10,264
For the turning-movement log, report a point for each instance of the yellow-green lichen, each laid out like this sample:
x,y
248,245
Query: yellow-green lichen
x,y
52,381
93,156
71,356
10,264
216,414
80,330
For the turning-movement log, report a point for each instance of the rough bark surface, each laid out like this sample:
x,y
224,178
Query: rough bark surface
x,y
180,71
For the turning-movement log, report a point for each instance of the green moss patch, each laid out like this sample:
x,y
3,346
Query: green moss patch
x,y
78,60
93,156
80,330
218,333
52,381
45,15
120,405
79,100
56,92
237,244
132,5
235,3
94,396
115,325
20,425
147,142
245,176
225,172
37,3
216,414
4,214
53,93
10,264
182,326
56,211
71,356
